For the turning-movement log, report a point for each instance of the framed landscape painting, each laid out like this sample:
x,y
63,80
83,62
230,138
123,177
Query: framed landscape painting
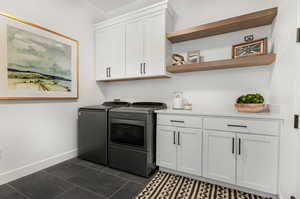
x,y
35,62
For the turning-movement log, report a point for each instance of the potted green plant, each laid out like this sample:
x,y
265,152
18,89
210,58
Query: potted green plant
x,y
251,103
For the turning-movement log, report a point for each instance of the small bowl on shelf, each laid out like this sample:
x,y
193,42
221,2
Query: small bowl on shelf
x,y
252,108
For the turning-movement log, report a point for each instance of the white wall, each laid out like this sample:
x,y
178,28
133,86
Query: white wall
x,y
284,78
32,131
297,108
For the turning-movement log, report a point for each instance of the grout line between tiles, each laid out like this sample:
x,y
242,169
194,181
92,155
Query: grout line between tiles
x,y
76,185
19,192
119,189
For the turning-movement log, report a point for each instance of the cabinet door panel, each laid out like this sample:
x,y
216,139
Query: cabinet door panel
x,y
110,53
257,163
102,55
116,43
166,149
219,161
190,151
154,45
134,49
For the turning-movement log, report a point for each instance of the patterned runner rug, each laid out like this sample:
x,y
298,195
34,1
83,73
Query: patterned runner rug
x,y
169,186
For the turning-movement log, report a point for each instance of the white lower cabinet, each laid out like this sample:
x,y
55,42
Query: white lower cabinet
x,y
246,160
166,147
238,151
179,149
219,156
189,151
257,162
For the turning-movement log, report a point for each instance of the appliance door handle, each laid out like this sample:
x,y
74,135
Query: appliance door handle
x,y
127,122
233,145
237,126
176,121
240,142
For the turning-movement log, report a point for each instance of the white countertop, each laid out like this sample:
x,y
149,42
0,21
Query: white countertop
x,y
228,113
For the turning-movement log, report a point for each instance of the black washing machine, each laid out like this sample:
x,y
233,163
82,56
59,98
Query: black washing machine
x,y
93,131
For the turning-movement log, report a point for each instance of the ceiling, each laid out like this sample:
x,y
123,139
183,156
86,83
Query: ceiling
x,y
112,8
108,6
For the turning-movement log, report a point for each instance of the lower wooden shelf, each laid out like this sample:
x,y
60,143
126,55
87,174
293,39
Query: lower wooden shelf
x,y
135,78
259,60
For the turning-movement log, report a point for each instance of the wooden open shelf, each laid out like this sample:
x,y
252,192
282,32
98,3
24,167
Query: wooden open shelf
x,y
135,78
252,20
259,60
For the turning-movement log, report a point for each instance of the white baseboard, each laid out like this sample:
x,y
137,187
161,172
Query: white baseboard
x,y
35,167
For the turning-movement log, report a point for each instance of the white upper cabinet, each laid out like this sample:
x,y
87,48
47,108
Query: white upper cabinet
x,y
110,56
154,49
219,156
134,45
134,49
102,55
257,162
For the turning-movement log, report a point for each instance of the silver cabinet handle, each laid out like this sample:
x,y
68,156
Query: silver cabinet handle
x,y
176,121
141,68
109,71
178,137
144,68
238,126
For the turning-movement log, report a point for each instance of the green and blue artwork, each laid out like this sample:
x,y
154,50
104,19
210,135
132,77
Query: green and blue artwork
x,y
37,63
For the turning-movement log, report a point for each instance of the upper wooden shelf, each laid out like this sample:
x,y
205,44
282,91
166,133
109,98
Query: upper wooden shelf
x,y
258,60
252,20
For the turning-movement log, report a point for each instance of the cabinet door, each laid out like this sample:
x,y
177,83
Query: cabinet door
x,y
116,48
110,53
219,156
134,49
102,55
154,45
189,151
166,151
257,162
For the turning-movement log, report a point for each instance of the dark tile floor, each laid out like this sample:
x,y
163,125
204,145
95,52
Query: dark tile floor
x,y
75,179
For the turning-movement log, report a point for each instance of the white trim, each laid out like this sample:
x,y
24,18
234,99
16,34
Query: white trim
x,y
218,183
155,8
36,166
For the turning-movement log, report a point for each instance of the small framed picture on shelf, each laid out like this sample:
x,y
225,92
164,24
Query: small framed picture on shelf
x,y
257,47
